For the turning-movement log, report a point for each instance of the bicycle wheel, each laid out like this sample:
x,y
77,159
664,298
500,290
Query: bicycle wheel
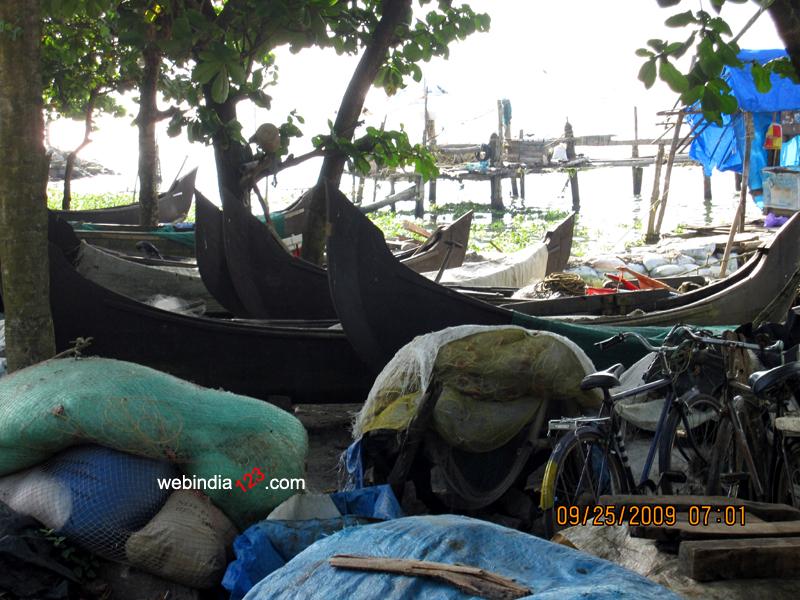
x,y
787,478
687,443
580,469
729,473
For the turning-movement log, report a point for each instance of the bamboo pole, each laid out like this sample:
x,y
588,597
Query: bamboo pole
x,y
651,218
637,171
670,162
740,209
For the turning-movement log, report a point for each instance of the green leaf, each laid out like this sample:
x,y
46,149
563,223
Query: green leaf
x,y
644,53
412,52
647,74
710,63
720,26
220,87
657,45
681,19
674,79
761,78
206,71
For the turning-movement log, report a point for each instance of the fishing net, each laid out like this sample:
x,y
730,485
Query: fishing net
x,y
213,437
494,380
111,503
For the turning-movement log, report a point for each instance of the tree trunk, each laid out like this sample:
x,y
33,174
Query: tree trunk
x,y
229,155
394,11
23,185
148,152
70,162
786,16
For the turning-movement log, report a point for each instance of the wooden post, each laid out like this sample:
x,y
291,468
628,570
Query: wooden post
x,y
638,172
419,208
737,182
706,187
740,209
670,162
522,183
391,193
651,236
514,190
500,134
496,193
573,178
432,191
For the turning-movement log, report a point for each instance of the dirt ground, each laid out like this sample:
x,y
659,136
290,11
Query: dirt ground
x,y
329,434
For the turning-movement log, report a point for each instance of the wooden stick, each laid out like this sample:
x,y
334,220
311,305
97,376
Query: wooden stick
x,y
651,218
471,580
740,209
670,162
414,228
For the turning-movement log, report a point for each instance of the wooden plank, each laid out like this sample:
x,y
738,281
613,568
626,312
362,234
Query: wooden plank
x,y
407,194
712,560
764,510
684,531
471,580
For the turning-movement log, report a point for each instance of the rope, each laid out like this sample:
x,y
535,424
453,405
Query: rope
x,y
570,284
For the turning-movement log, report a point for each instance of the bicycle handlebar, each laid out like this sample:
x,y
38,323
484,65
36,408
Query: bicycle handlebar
x,y
622,336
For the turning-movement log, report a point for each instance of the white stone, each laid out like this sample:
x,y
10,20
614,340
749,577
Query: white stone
x,y
651,261
586,273
698,251
669,270
706,272
639,268
683,259
607,263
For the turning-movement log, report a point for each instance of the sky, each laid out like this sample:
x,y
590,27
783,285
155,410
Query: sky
x,y
552,59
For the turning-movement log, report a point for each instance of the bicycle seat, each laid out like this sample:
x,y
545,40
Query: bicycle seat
x,y
763,381
603,379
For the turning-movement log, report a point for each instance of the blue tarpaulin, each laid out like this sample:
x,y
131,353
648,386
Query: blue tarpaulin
x,y
722,147
551,571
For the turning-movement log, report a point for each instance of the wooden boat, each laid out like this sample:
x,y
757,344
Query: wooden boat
x,y
306,363
271,283
173,205
138,281
210,250
382,305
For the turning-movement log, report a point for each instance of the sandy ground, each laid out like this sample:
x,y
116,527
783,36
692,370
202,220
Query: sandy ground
x,y
328,427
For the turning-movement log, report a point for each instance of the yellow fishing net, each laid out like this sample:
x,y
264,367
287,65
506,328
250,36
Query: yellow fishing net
x,y
494,380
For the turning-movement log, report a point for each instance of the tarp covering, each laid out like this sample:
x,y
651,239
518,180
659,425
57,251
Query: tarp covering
x,y
551,571
270,544
494,380
722,147
517,269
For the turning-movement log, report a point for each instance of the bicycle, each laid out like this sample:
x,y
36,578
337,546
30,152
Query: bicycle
x,y
757,423
591,460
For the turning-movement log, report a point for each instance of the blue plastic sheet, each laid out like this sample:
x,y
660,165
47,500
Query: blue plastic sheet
x,y
722,147
268,545
550,570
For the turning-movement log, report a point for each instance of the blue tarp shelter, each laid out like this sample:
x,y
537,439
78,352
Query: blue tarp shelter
x,y
722,147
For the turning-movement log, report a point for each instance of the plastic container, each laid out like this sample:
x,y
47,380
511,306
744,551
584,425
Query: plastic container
x,y
781,190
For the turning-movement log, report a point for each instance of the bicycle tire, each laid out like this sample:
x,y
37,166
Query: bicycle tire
x,y
727,459
559,465
781,493
690,454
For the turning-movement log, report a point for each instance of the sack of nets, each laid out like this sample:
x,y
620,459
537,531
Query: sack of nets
x,y
494,380
209,435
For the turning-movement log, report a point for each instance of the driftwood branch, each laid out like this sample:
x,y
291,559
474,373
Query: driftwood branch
x,y
471,580
256,171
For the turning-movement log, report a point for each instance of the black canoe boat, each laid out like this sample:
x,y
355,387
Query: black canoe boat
x,y
309,364
173,205
382,305
271,283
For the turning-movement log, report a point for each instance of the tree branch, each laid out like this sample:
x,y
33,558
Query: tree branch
x,y
255,172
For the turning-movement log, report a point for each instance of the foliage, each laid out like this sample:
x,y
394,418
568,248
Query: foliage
x,y
525,227
83,564
714,48
82,64
88,201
